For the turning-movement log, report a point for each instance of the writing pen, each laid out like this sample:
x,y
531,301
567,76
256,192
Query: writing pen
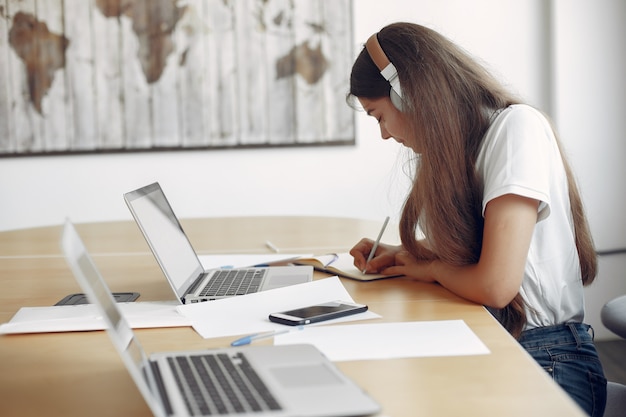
x,y
373,251
246,340
271,246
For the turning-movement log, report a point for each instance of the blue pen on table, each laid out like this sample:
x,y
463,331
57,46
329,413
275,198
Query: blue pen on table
x,y
373,251
246,340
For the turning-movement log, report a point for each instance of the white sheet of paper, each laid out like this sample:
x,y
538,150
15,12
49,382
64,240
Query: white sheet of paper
x,y
247,314
244,260
84,317
390,340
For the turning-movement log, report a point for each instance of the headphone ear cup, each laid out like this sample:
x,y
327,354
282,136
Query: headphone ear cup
x,y
396,100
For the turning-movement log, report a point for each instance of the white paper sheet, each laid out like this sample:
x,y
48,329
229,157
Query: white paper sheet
x,y
390,340
84,317
245,260
247,314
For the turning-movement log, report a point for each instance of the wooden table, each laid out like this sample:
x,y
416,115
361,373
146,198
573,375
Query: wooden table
x,y
77,374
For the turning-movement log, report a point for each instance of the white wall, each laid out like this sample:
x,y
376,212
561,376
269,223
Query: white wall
x,y
590,109
590,97
366,180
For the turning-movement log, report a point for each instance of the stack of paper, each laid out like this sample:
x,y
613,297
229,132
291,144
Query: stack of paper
x,y
249,314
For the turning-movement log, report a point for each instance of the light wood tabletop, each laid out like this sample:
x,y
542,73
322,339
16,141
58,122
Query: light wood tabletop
x,y
80,373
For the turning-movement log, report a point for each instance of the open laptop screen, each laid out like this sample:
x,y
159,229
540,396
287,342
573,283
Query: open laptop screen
x,y
166,238
118,329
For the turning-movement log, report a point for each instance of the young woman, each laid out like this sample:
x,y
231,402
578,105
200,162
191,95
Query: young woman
x,y
493,197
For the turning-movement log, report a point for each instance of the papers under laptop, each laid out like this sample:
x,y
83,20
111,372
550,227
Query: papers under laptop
x,y
179,261
293,380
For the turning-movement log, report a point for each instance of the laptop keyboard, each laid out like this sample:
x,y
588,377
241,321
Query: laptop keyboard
x,y
229,282
214,384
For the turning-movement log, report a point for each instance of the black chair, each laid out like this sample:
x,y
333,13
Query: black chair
x,y
613,316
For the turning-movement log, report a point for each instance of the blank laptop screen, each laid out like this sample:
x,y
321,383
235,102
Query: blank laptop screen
x,y
165,237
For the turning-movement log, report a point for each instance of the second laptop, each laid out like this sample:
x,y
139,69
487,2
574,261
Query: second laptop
x,y
180,263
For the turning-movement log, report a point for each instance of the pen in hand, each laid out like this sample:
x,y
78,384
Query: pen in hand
x,y
373,251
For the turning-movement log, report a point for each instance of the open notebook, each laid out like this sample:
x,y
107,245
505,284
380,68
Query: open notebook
x,y
340,264
293,380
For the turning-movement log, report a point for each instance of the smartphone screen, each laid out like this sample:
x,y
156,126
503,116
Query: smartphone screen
x,y
317,313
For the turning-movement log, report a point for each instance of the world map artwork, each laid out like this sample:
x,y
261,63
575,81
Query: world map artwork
x,y
183,39
41,51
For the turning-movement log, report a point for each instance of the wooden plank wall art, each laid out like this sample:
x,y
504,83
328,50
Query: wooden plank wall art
x,y
139,75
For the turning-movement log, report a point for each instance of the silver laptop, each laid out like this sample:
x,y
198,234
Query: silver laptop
x,y
292,380
180,263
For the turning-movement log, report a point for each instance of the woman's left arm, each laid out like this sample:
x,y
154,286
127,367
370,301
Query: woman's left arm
x,y
496,278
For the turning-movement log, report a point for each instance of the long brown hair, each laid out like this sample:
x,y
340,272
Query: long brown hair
x,y
448,100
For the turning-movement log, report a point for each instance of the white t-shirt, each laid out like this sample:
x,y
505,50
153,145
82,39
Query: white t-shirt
x,y
519,155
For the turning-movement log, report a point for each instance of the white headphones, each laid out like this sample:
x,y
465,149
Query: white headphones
x,y
386,68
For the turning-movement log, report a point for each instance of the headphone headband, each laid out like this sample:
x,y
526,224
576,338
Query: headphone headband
x,y
386,68
376,52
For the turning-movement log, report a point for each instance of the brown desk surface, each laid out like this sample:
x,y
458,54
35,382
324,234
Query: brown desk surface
x,y
77,374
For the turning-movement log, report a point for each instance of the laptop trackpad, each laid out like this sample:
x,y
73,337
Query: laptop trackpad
x,y
305,376
279,281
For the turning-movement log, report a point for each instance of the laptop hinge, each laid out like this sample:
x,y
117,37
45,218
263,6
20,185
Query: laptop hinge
x,y
192,289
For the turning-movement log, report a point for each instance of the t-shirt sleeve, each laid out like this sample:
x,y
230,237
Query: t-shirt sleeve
x,y
516,158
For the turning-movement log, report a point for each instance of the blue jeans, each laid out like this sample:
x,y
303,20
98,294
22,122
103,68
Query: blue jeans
x,y
567,353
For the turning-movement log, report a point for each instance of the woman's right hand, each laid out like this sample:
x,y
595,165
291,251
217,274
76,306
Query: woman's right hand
x,y
384,257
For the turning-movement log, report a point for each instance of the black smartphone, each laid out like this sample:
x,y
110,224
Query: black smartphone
x,y
75,299
316,313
